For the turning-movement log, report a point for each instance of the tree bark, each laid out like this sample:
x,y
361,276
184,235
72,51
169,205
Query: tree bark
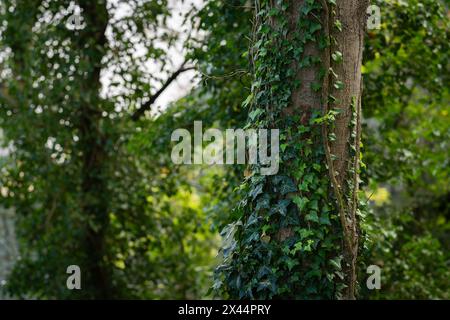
x,y
94,190
308,84
349,42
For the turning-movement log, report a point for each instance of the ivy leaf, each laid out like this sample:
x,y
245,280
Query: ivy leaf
x,y
303,129
314,27
316,87
336,262
306,62
303,186
313,273
281,207
252,220
262,202
291,263
248,100
337,56
297,247
314,205
308,246
332,137
312,217
304,233
325,219
255,113
285,183
300,202
306,10
340,274
263,271
255,191
217,284
339,85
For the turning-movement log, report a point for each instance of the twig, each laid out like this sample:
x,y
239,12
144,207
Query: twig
x,y
146,106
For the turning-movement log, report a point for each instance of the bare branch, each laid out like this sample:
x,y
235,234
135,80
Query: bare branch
x,y
146,106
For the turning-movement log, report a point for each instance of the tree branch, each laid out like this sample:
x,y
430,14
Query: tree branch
x,y
146,106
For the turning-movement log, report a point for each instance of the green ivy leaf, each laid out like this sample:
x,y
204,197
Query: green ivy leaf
x,y
312,217
337,56
300,202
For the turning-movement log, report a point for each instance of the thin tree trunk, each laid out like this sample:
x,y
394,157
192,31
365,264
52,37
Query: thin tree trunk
x,y
347,127
94,192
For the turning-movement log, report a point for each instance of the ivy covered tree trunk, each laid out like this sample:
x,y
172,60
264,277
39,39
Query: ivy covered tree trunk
x,y
296,235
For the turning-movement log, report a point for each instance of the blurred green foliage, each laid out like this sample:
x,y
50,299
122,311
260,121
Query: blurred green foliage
x,y
407,133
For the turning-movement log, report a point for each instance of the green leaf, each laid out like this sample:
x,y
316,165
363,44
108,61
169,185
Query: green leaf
x,y
300,202
248,100
337,56
338,25
291,263
324,219
304,233
336,262
255,113
312,217
339,85
316,86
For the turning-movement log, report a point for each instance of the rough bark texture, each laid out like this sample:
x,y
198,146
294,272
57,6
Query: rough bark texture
x,y
349,41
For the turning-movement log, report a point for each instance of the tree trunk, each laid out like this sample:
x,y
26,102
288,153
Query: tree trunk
x,y
307,59
90,44
346,147
94,191
344,57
